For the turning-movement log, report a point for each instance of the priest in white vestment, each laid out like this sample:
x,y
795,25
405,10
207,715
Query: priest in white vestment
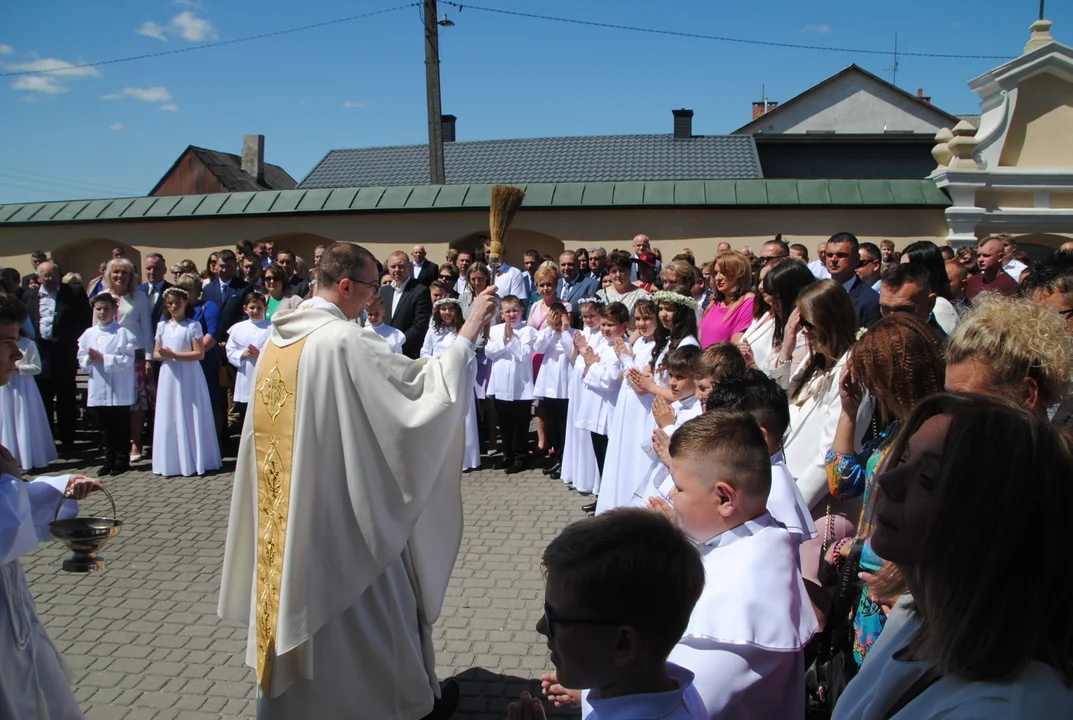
x,y
34,681
346,516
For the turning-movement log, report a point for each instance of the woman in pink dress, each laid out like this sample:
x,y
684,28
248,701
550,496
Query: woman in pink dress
x,y
731,313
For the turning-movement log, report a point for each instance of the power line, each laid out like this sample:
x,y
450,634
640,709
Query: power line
x,y
206,46
62,180
66,187
717,38
43,190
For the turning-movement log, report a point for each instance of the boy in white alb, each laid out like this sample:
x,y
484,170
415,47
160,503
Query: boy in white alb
x,y
754,392
245,341
374,314
603,376
746,637
510,384
106,354
579,468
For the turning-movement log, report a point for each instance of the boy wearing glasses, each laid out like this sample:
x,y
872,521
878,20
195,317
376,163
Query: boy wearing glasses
x,y
618,594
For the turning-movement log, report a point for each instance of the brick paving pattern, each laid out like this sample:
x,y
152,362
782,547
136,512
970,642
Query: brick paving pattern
x,y
143,639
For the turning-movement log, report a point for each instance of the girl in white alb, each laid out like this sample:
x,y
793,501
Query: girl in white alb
x,y
579,468
184,435
555,342
245,341
446,322
23,425
632,407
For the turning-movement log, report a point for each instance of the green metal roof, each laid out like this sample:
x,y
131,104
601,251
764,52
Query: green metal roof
x,y
681,193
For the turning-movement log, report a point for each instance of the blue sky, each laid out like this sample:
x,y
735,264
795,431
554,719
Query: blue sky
x,y
114,130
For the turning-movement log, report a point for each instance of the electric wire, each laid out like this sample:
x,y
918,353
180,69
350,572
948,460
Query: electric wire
x,y
15,174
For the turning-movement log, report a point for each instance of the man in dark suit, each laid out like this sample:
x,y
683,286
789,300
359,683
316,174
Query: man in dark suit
x,y
843,254
573,285
296,285
59,316
36,258
226,292
407,304
155,285
424,271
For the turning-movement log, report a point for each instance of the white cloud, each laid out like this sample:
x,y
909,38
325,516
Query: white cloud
x,y
188,3
153,94
39,83
352,104
818,29
116,127
151,29
170,107
186,25
54,67
6,49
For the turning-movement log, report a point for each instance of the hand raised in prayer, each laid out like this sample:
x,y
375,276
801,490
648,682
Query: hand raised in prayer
x,y
661,445
658,504
508,332
96,356
621,348
662,412
556,693
579,342
480,313
80,486
527,707
591,358
8,464
250,352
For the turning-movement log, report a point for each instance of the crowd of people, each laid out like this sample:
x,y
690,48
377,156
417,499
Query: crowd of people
x,y
796,467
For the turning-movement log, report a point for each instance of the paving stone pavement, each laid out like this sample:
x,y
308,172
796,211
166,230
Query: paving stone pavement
x,y
143,639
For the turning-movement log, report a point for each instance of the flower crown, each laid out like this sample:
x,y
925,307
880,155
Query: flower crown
x,y
665,296
174,290
593,300
444,301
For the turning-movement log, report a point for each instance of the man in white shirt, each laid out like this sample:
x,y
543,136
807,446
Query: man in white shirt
x,y
1013,267
422,270
819,265
508,279
641,243
462,262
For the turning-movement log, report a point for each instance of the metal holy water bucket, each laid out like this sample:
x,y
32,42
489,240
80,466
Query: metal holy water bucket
x,y
84,536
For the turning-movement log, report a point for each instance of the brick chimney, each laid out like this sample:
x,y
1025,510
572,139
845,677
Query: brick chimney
x,y
253,157
683,124
922,98
447,123
760,109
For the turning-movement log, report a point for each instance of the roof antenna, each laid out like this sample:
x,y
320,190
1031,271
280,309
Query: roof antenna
x,y
893,69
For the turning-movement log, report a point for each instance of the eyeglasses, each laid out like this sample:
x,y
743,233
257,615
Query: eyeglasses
x,y
374,286
269,279
763,259
446,277
551,619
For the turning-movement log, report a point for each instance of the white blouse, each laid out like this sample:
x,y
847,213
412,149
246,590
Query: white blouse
x,y
511,377
553,380
135,314
437,341
111,384
760,335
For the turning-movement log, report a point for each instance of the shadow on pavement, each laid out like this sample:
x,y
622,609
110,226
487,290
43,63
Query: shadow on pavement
x,y
484,695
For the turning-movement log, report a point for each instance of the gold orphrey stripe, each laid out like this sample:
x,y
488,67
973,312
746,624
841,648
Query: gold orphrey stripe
x,y
273,432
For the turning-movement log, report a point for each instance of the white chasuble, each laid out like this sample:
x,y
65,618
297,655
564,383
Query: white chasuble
x,y
346,518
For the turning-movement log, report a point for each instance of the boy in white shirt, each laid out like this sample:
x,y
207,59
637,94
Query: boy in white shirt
x,y
245,340
600,385
374,314
106,354
510,383
619,591
746,637
754,392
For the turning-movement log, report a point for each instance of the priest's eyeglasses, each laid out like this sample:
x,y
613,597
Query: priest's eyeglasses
x,y
374,286
550,618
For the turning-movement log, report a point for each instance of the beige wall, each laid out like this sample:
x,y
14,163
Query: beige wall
x,y
1039,133
80,246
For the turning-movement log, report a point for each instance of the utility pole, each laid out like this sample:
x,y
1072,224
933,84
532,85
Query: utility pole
x,y
432,91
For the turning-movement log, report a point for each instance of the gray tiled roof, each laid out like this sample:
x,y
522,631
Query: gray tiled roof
x,y
603,158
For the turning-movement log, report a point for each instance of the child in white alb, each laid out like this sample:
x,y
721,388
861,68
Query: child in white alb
x,y
245,341
24,426
603,374
510,348
184,434
579,469
552,385
374,314
446,322
106,354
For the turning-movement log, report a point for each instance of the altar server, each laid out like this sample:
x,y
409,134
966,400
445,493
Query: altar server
x,y
447,322
603,376
745,638
579,468
510,348
24,429
374,313
184,435
106,353
245,342
555,342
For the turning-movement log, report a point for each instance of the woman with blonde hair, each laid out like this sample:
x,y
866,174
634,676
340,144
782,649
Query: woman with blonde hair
x,y
1012,348
985,630
134,313
731,312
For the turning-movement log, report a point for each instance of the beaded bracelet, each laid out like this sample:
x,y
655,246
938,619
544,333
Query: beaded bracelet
x,y
836,550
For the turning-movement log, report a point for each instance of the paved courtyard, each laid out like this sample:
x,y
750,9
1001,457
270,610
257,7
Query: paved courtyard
x,y
143,639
